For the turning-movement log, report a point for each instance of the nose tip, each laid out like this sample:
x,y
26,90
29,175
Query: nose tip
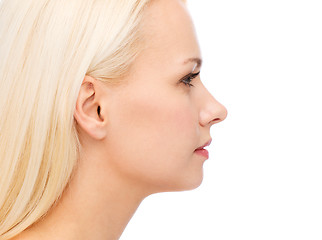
x,y
221,114
213,113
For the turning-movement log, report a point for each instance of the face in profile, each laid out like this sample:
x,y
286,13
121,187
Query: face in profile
x,y
157,119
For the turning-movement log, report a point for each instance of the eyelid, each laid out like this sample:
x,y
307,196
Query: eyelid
x,y
190,76
194,75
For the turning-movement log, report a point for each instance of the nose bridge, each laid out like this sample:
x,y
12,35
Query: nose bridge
x,y
212,111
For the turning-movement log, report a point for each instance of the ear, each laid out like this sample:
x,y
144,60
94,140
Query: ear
x,y
87,112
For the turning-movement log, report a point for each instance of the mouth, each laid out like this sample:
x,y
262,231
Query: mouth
x,y
203,152
205,145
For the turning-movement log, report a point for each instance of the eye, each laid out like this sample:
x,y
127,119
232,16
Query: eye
x,y
187,79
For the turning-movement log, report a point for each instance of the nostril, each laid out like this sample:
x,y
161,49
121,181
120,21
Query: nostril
x,y
216,120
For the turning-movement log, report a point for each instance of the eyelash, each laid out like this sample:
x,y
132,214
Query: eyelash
x,y
186,80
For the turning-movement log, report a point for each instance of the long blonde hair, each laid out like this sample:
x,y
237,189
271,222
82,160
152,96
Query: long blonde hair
x,y
46,49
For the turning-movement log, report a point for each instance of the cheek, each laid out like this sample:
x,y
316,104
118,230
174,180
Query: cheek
x,y
156,135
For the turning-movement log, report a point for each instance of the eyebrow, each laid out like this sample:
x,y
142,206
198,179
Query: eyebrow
x,y
196,60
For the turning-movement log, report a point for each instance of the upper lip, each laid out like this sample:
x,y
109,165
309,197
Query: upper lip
x,y
205,145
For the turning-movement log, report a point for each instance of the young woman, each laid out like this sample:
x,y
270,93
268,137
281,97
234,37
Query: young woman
x,y
101,105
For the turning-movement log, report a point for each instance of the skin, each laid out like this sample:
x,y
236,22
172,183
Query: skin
x,y
144,138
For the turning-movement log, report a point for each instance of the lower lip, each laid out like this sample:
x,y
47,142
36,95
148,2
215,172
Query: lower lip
x,y
202,152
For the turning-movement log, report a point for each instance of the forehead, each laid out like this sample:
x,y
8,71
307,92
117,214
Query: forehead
x,y
168,32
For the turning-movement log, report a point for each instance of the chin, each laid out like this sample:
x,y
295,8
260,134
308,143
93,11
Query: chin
x,y
186,184
192,181
191,185
188,180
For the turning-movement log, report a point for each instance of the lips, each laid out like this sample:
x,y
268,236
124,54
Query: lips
x,y
205,145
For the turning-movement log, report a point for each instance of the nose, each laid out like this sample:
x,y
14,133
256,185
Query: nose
x,y
211,111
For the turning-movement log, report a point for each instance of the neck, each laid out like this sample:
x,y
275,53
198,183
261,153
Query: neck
x,y
93,206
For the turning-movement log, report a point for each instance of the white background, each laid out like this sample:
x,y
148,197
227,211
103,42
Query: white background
x,y
263,180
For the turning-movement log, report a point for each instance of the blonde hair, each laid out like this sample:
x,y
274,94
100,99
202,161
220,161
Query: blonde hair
x,y
47,47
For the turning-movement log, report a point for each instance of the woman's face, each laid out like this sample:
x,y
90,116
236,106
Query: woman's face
x,y
154,122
